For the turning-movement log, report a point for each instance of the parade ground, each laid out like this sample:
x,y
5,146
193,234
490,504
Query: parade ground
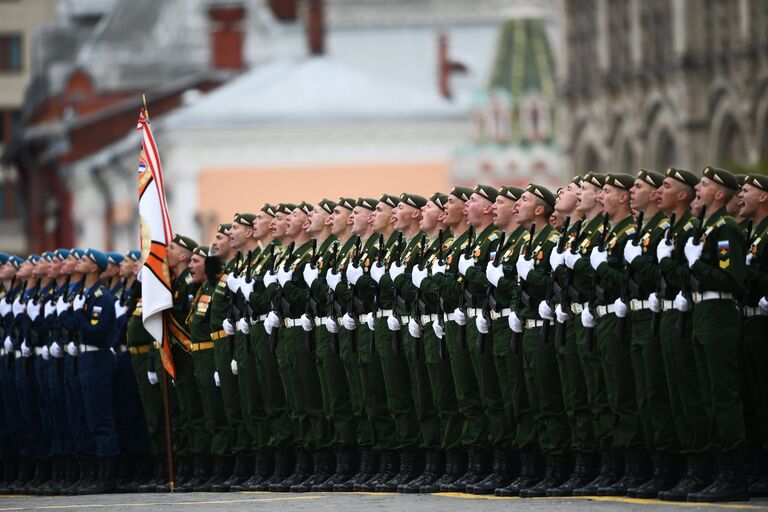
x,y
359,502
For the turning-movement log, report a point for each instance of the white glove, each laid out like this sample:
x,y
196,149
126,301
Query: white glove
x,y
283,276
621,308
654,303
45,353
25,351
571,258
120,310
693,252
56,350
377,271
5,307
72,349
33,310
596,257
632,251
354,272
587,319
483,325
439,331
681,303
332,279
49,309
465,262
306,323
348,322
418,275
78,302
228,327
459,317
664,250
370,320
545,311
393,323
515,323
233,367
556,259
243,326
414,329
8,344
271,322
269,278
396,269
494,273
524,267
216,379
152,378
561,315
233,283
310,274
331,325
246,287
762,306
748,259
438,268
18,307
61,306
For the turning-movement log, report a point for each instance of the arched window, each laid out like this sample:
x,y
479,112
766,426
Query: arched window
x,y
666,151
590,160
731,148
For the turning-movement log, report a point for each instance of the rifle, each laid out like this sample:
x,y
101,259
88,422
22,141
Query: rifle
x,y
440,306
463,294
10,356
247,306
81,291
278,303
351,309
379,256
522,295
553,278
233,313
57,329
661,284
590,337
332,299
396,255
419,307
689,282
490,300
565,291
621,323
311,309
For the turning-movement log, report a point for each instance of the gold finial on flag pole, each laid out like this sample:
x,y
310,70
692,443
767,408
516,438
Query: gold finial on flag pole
x,y
146,110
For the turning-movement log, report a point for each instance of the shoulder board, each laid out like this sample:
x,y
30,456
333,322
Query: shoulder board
x,y
188,279
493,236
98,292
554,236
688,225
720,222
664,224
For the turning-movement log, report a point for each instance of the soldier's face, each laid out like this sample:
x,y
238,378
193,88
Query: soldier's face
x,y
706,191
525,209
430,215
360,218
381,217
41,268
405,215
197,268
126,267
25,269
586,197
477,207
454,211
667,195
317,220
566,201
69,264
339,220
279,225
173,254
611,198
296,221
503,211
239,234
220,245
734,205
752,198
261,225
7,271
640,195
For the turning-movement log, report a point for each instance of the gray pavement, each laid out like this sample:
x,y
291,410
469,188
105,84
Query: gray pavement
x,y
357,502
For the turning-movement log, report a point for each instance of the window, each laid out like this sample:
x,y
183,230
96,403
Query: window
x,y
10,53
10,124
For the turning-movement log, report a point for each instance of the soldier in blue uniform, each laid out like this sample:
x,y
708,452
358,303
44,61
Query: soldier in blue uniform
x,y
10,451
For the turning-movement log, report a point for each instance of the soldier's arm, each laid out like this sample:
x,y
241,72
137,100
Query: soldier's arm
x,y
538,281
613,278
96,326
727,279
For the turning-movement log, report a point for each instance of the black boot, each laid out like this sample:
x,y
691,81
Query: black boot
x,y
500,476
666,473
222,469
142,469
25,475
369,462
182,471
388,465
159,475
85,469
42,472
284,462
558,467
10,472
530,473
323,465
344,469
201,473
478,469
410,462
611,465
729,485
263,467
584,471
433,468
106,479
455,467
636,472
51,485
301,472
126,473
240,473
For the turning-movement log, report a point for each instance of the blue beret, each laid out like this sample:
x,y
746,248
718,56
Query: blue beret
x,y
3,258
134,255
48,255
16,261
115,257
62,254
34,258
97,257
77,253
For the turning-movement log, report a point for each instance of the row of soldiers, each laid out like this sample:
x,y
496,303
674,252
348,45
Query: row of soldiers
x,y
604,340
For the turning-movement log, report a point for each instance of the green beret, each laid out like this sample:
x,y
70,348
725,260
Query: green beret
x,y
389,200
576,180
286,208
414,200
366,202
486,191
348,203
305,207
757,180
620,180
741,179
594,178
463,193
542,193
683,176
653,178
269,209
327,205
510,192
185,241
246,219
441,200
722,177
223,228
201,250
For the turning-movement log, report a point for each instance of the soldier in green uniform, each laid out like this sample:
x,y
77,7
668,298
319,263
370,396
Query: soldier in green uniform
x,y
754,199
717,264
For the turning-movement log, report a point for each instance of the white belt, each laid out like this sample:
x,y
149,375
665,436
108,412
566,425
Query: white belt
x,y
474,312
749,311
495,315
698,297
530,324
577,308
639,305
292,322
2,352
605,310
89,348
404,319
259,318
17,353
38,351
666,305
122,348
425,319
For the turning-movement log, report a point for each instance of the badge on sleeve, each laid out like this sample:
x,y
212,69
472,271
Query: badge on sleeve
x,y
724,253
